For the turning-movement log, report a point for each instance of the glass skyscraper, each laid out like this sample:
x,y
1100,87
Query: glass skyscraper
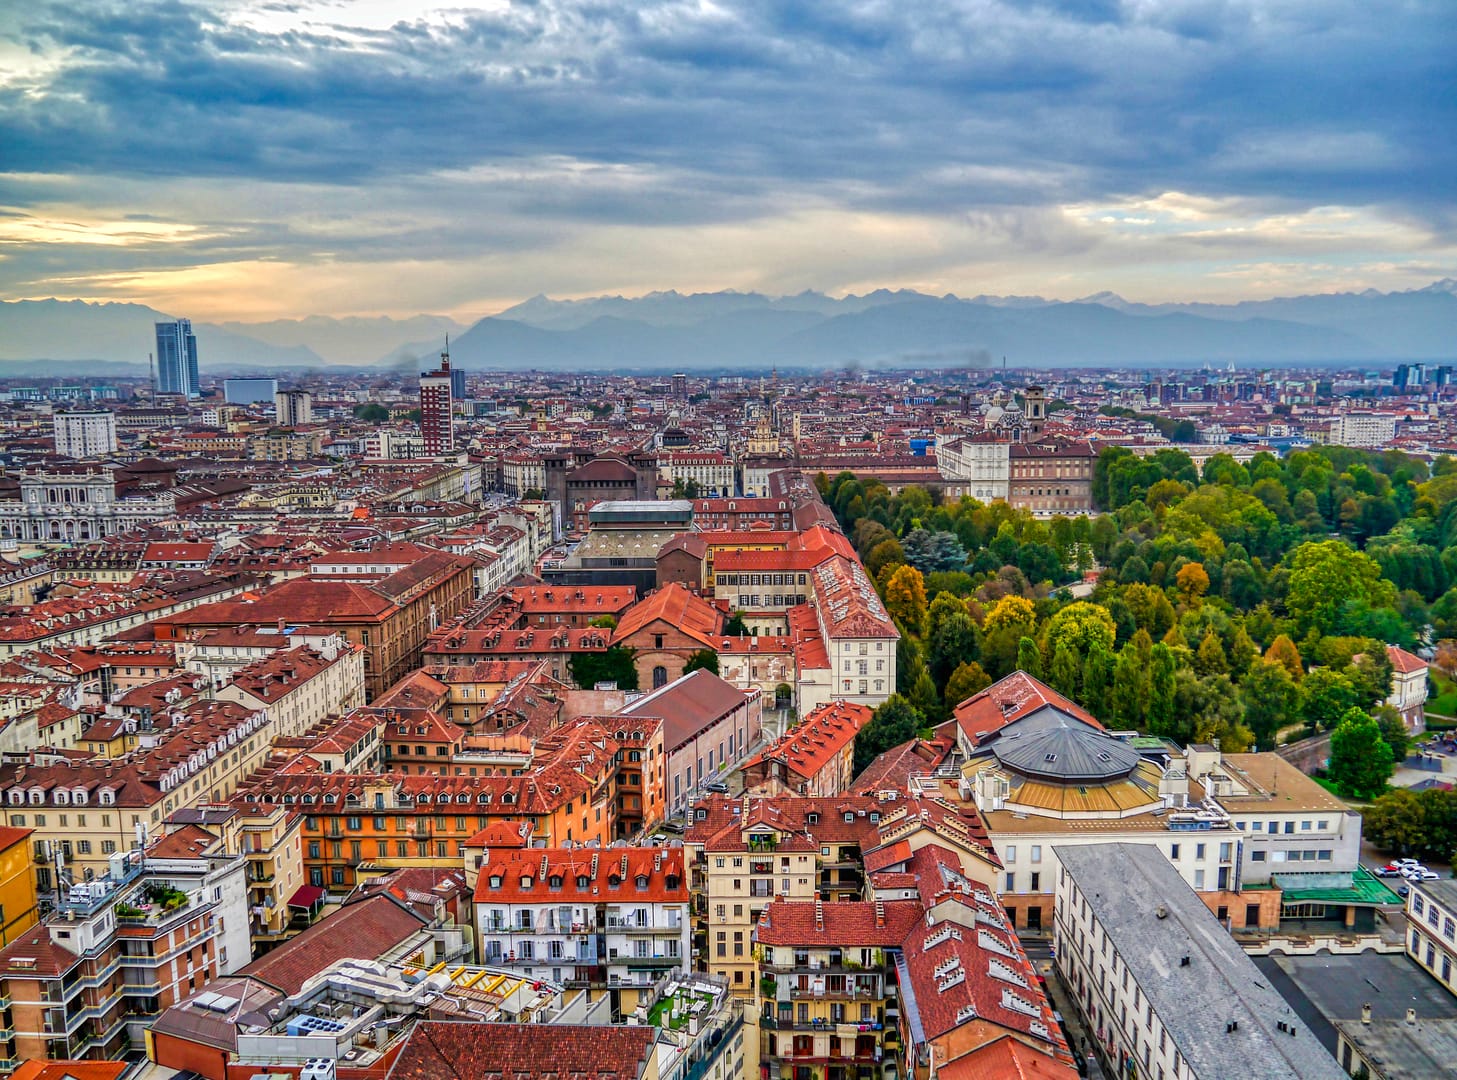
x,y
177,359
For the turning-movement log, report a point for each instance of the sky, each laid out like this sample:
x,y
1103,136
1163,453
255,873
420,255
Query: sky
x,y
258,159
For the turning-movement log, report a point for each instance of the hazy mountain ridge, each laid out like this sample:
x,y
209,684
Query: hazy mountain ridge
x,y
809,329
885,327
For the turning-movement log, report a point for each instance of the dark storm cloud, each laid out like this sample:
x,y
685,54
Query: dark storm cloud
x,y
937,108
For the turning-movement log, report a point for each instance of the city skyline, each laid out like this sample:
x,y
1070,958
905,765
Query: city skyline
x,y
250,161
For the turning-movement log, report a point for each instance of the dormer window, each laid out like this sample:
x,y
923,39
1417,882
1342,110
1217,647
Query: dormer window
x,y
849,817
61,797
526,881
483,798
463,797
642,883
308,800
613,881
78,797
495,881
509,798
672,881
811,819
16,796
583,881
37,796
424,796
329,799
554,882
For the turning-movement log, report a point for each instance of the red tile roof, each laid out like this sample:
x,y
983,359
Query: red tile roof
x,y
859,923
363,929
979,963
679,608
70,1070
893,770
813,744
605,876
1008,700
1007,1058
1403,662
439,1050
34,955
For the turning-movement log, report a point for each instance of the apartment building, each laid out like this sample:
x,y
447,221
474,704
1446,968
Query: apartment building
x,y
859,637
83,812
118,951
219,654
566,793
268,842
1163,989
827,984
1431,911
613,921
746,852
103,611
970,1003
388,612
302,686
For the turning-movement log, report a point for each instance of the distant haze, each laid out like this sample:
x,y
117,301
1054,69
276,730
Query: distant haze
x,y
806,330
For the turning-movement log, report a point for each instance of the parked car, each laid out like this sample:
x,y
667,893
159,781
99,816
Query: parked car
x,y
1389,870
717,787
1406,862
1420,873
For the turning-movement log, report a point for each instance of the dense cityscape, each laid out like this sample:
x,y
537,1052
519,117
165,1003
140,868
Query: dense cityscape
x,y
861,725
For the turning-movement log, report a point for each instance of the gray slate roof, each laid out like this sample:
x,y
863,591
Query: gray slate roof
x,y
1054,746
1123,884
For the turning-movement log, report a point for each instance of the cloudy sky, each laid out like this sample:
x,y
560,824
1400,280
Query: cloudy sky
x,y
253,159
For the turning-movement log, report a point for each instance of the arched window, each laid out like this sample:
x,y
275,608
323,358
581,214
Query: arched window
x,y
660,676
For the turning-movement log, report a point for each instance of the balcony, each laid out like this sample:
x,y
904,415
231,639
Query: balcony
x,y
615,922
848,993
647,961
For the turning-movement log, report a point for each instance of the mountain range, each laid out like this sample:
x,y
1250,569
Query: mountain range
x,y
689,331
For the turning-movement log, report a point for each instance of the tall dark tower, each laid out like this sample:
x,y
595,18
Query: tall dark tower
x,y
1034,408
437,408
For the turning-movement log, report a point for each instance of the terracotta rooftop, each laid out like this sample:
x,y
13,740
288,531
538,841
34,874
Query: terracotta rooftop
x,y
859,923
679,608
625,875
1010,699
439,1050
362,929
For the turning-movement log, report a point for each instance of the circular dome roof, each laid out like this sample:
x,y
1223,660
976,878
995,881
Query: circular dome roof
x,y
1066,752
